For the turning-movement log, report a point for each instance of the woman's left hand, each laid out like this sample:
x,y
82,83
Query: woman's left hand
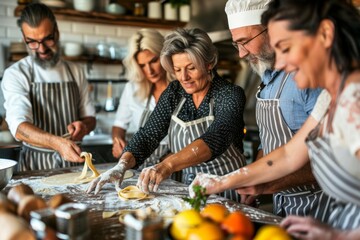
x,y
151,177
309,228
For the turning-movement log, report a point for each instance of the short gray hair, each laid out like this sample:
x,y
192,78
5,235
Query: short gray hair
x,y
33,14
194,42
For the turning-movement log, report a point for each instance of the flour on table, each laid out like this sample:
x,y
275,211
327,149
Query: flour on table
x,y
70,178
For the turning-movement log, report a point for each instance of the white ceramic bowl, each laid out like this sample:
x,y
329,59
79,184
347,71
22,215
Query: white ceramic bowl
x,y
72,49
84,5
6,171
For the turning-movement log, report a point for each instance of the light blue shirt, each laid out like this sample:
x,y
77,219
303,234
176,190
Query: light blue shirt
x,y
295,104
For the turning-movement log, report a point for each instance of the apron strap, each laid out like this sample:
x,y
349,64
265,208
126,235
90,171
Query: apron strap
x,y
179,106
282,84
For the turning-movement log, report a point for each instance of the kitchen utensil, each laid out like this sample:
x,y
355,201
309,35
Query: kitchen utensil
x,y
72,221
6,171
109,103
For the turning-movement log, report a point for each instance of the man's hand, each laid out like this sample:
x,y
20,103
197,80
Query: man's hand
x,y
114,175
68,150
77,130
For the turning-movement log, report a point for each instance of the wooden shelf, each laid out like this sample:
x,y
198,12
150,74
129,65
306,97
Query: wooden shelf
x,y
69,14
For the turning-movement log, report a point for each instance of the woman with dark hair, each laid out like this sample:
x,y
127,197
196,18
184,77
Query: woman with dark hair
x,y
201,113
318,41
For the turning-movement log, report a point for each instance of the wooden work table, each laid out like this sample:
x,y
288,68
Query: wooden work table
x,y
106,200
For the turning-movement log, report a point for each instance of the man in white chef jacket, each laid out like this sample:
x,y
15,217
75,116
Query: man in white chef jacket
x,y
46,97
281,109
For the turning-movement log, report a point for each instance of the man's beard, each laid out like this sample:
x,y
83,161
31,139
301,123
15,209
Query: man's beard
x,y
46,63
266,60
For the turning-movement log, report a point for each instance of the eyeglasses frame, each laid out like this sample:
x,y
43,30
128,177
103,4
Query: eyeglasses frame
x,y
237,44
49,37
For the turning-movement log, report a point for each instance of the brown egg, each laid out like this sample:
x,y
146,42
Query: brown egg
x,y
17,192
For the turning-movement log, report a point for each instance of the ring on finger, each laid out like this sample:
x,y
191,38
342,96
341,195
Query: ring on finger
x,y
151,183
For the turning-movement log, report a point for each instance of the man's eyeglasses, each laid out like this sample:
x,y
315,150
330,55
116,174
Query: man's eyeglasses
x,y
49,41
241,46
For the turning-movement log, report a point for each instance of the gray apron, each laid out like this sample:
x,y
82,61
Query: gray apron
x,y
274,132
183,133
54,106
336,182
162,149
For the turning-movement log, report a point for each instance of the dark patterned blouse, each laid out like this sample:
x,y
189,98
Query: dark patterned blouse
x,y
227,128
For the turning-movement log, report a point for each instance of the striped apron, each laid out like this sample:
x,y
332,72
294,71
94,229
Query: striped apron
x,y
183,133
337,183
163,147
54,106
274,132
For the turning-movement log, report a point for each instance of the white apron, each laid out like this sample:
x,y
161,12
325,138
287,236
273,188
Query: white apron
x,y
54,106
163,147
274,132
183,133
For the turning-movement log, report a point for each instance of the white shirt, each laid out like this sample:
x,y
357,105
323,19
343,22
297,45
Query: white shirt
x,y
345,138
16,85
130,109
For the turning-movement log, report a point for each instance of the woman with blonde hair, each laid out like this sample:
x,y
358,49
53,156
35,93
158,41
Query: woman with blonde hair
x,y
147,80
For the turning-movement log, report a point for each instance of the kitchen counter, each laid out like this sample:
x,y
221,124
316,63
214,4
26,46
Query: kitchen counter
x,y
107,199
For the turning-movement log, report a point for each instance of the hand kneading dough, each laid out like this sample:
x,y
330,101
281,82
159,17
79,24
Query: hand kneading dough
x,y
131,192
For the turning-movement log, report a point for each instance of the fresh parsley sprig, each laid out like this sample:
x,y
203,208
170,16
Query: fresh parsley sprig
x,y
200,198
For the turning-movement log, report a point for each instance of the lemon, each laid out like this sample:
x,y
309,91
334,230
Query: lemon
x,y
205,231
183,222
272,232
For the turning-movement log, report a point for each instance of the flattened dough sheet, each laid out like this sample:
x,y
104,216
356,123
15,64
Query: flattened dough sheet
x,y
70,178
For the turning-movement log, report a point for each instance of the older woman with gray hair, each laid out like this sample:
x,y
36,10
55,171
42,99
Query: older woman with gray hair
x,y
201,112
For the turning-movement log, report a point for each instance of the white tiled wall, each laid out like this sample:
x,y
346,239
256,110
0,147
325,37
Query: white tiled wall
x,y
82,32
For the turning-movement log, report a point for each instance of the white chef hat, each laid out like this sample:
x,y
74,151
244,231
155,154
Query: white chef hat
x,y
242,13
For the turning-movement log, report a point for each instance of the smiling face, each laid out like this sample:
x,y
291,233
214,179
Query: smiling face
x,y
45,55
256,51
191,79
305,55
150,66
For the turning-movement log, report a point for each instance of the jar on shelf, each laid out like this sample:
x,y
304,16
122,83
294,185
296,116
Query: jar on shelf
x,y
139,9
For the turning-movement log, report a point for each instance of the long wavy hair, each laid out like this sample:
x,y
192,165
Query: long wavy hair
x,y
306,15
144,39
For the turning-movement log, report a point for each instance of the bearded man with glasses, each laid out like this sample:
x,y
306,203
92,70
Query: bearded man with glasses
x,y
46,97
281,109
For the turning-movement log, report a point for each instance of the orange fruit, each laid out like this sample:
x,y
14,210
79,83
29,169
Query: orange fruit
x,y
238,237
238,223
215,212
206,231
183,222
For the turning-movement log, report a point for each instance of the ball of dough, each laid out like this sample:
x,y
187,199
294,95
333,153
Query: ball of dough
x,y
17,192
30,203
6,205
58,200
14,228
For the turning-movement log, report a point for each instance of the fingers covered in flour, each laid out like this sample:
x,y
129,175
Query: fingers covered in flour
x,y
114,175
